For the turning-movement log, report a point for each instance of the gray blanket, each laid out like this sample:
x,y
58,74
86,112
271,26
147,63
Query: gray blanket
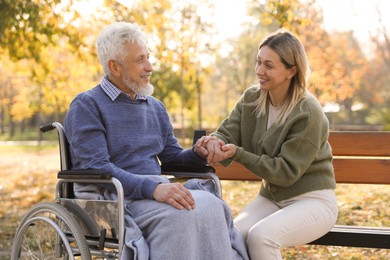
x,y
144,217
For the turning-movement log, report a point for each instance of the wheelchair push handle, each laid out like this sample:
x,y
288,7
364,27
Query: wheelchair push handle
x,y
49,127
46,128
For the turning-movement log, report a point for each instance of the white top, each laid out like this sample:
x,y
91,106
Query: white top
x,y
274,112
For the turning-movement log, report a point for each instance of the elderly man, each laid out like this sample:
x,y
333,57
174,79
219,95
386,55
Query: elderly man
x,y
119,127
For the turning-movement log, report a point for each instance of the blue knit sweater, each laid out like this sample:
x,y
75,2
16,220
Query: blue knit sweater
x,y
129,138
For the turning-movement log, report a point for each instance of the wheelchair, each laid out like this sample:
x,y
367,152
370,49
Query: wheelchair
x,y
72,228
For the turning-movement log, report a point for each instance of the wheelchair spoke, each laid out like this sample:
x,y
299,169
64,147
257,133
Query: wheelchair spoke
x,y
49,233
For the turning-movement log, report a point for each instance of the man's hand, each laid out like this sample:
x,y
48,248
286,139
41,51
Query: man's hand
x,y
174,194
209,147
201,143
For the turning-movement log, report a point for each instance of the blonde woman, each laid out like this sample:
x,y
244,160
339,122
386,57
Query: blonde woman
x,y
279,131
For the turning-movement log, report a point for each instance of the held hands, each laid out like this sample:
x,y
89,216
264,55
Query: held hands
x,y
213,149
175,194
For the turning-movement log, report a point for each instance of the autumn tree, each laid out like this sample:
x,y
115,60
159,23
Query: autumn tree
x,y
13,105
377,87
28,26
32,33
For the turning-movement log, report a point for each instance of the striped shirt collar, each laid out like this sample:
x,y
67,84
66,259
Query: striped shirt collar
x,y
114,92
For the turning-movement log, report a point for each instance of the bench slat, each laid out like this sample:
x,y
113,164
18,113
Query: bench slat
x,y
367,143
356,236
364,171
235,171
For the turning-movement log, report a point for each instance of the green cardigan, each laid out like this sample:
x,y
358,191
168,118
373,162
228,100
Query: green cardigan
x,y
292,158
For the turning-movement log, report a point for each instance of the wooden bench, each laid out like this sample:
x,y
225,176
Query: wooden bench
x,y
359,158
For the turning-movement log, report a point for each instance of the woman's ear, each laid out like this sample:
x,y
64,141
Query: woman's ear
x,y
292,73
114,67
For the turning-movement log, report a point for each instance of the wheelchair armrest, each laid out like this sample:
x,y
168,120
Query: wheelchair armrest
x,y
91,174
88,174
189,168
193,171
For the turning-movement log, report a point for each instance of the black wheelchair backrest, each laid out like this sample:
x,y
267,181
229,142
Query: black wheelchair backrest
x,y
63,144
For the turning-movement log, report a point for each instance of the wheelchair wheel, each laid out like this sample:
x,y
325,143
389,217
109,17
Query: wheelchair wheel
x,y
49,231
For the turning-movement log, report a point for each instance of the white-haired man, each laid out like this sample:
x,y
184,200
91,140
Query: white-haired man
x,y
119,127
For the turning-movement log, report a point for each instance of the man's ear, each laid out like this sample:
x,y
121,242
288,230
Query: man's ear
x,y
114,67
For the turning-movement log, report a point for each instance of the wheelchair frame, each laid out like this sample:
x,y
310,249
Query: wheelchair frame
x,y
74,221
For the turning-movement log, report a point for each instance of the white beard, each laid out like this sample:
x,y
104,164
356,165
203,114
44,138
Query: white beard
x,y
141,90
145,90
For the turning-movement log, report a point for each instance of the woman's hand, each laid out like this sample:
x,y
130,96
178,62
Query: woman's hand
x,y
229,150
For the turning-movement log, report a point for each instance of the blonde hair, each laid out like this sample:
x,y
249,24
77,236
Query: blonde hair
x,y
291,53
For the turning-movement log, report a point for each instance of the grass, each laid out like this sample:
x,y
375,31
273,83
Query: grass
x,y
28,135
28,176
